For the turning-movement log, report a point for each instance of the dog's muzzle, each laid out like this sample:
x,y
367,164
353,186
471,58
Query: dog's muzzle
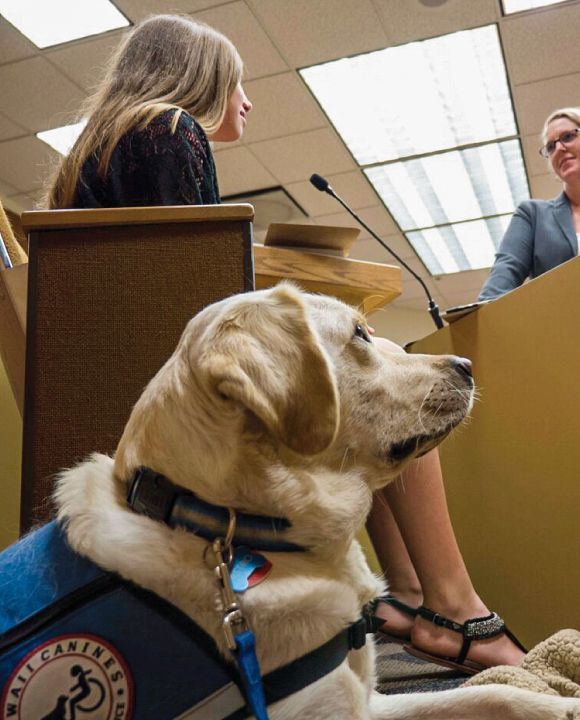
x,y
456,403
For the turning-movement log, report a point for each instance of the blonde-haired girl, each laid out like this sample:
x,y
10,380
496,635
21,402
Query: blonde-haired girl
x,y
173,84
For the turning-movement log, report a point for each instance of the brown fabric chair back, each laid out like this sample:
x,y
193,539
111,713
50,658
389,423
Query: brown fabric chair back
x,y
109,294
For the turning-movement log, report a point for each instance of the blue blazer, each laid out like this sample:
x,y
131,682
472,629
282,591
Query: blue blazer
x,y
539,237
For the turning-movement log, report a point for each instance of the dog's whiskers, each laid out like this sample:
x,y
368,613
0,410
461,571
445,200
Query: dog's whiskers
x,y
347,450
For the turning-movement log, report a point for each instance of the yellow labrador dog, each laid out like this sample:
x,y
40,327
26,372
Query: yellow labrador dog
x,y
279,404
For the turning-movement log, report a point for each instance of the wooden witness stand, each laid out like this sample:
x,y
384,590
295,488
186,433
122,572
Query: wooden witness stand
x,y
109,293
366,285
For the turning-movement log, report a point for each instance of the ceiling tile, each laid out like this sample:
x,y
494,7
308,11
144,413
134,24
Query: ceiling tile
x,y
369,249
13,44
309,32
341,219
545,187
24,201
238,171
38,96
412,289
313,201
376,217
296,157
26,163
84,61
282,106
237,22
407,20
272,206
535,101
551,29
9,129
137,10
379,220
401,324
6,190
352,187
464,284
535,163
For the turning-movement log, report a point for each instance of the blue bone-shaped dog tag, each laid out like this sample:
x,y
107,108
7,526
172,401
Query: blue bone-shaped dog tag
x,y
244,563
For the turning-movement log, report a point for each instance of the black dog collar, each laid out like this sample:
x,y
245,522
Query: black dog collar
x,y
154,495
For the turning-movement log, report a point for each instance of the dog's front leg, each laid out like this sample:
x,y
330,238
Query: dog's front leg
x,y
340,695
363,663
475,703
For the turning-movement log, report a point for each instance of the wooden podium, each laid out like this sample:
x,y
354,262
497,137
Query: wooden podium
x,y
113,288
513,473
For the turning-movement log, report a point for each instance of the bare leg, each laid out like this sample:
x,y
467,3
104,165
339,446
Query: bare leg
x,y
418,510
397,567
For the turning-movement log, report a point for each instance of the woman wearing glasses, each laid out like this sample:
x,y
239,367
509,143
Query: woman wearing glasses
x,y
543,233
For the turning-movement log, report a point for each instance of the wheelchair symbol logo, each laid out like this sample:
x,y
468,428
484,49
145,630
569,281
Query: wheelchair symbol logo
x,y
86,695
80,677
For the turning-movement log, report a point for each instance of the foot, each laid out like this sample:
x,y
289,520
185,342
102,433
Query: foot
x,y
443,642
398,623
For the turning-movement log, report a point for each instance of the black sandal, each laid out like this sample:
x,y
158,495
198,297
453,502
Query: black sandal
x,y
481,628
379,623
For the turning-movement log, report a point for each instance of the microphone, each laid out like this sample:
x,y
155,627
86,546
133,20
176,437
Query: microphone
x,y
323,185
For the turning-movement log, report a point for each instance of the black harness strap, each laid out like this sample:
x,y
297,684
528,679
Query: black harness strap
x,y
302,672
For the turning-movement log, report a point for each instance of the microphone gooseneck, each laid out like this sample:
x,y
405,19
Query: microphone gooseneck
x,y
322,184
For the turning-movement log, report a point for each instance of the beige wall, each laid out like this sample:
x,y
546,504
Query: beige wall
x,y
10,457
401,325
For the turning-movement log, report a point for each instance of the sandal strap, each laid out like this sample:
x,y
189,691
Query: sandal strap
x,y
479,628
396,603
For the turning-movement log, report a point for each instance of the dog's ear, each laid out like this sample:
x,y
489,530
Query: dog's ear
x,y
265,356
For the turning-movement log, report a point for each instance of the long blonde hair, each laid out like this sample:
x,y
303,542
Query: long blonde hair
x,y
167,61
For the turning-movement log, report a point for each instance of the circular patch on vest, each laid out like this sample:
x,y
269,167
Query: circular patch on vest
x,y
71,677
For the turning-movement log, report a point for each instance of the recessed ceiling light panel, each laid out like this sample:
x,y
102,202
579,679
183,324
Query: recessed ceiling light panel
x,y
417,98
514,6
63,138
454,186
59,21
432,126
462,246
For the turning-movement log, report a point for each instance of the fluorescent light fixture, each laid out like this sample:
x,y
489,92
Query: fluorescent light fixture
x,y
432,126
52,22
453,186
463,246
417,98
514,6
63,138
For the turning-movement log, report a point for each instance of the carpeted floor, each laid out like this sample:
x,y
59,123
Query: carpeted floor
x,y
399,672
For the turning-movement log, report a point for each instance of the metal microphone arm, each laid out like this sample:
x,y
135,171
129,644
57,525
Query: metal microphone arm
x,y
432,307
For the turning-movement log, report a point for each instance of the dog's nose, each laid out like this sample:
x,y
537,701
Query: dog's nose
x,y
462,366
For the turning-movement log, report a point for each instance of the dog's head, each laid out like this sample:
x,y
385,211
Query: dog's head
x,y
284,376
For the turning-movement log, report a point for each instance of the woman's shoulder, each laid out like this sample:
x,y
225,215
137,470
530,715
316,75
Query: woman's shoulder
x,y
536,204
537,208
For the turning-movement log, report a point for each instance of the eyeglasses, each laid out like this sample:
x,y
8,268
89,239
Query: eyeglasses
x,y
566,138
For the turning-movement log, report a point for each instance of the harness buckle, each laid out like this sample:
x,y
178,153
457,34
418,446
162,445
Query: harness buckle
x,y
357,634
151,494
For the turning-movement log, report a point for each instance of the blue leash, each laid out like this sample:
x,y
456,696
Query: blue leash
x,y
245,655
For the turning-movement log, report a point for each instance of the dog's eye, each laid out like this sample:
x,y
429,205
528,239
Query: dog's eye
x,y
360,332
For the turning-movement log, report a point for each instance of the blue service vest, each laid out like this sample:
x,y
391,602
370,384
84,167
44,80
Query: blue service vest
x,y
78,643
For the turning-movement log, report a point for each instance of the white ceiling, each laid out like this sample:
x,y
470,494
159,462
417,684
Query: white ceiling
x,y
288,137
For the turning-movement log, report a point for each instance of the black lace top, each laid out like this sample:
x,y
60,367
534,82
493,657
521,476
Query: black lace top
x,y
154,166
